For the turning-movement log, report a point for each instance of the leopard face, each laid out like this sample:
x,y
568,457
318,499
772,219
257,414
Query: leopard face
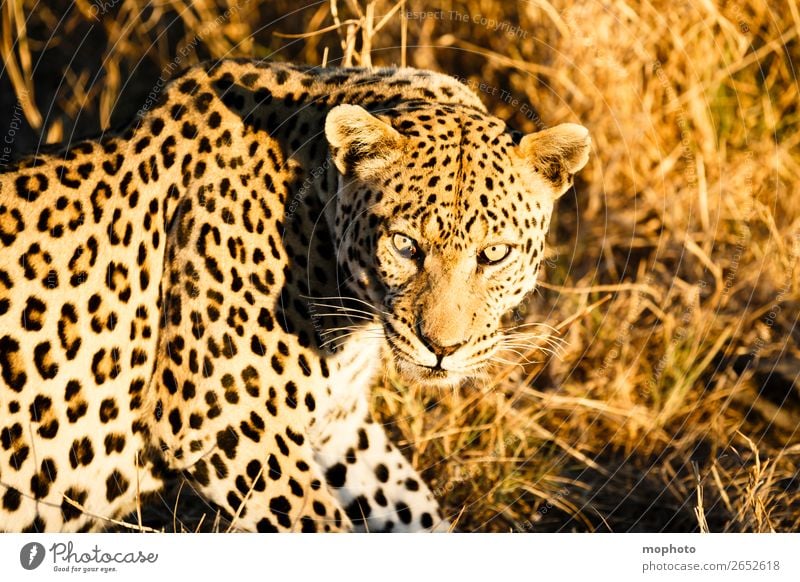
x,y
441,220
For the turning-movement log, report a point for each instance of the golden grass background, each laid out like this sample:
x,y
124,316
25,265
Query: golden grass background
x,y
672,277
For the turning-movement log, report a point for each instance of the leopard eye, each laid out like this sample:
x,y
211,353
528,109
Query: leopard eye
x,y
494,254
405,246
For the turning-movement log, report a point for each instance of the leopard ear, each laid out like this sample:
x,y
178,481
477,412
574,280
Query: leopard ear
x,y
360,141
557,153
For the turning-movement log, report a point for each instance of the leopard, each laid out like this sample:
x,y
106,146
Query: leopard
x,y
211,292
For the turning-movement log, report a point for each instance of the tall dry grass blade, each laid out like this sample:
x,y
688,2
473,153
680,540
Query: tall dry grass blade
x,y
18,63
699,510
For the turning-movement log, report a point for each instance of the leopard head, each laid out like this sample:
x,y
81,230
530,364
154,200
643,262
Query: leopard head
x,y
440,221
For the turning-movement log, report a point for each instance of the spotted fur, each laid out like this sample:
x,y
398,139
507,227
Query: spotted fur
x,y
211,292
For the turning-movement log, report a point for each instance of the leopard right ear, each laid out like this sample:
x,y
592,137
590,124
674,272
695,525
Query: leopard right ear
x,y
360,142
557,153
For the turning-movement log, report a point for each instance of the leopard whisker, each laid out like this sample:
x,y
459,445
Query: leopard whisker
x,y
535,339
351,328
554,349
345,314
342,308
534,335
524,357
346,299
499,360
343,337
343,340
530,349
532,324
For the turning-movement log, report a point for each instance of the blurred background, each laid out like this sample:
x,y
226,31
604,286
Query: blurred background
x,y
666,396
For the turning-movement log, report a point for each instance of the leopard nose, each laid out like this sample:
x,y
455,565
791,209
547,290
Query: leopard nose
x,y
434,345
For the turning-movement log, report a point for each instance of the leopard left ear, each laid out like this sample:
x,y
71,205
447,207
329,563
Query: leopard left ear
x,y
557,153
360,141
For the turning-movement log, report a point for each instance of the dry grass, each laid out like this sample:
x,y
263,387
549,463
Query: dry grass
x,y
673,271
